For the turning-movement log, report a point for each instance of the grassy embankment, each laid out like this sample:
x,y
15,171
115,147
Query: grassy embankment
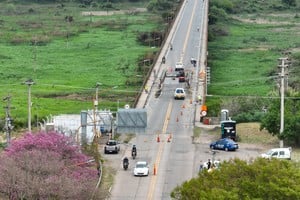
x,y
244,62
67,59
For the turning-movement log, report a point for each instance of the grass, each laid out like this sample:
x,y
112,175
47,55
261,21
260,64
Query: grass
x,y
67,59
245,62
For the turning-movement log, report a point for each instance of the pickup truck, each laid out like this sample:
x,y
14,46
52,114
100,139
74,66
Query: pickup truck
x,y
112,146
279,153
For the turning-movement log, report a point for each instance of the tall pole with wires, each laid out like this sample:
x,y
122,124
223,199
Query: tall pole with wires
x,y
283,65
29,83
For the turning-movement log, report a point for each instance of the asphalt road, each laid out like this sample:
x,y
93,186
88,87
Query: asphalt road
x,y
177,160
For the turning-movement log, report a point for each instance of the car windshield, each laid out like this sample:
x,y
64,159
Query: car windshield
x,y
270,152
179,91
111,143
141,165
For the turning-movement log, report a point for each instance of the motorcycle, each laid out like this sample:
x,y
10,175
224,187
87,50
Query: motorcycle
x,y
125,163
133,154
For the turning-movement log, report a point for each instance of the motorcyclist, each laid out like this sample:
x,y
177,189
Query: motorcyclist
x,y
133,151
125,163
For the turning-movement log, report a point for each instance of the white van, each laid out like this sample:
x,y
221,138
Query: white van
x,y
280,153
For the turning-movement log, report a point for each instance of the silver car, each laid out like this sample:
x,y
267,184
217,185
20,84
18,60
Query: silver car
x,y
179,93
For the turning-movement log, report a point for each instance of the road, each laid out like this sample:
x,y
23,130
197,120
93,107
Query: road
x,y
171,162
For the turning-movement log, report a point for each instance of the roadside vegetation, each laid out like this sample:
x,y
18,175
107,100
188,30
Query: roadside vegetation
x,y
46,166
238,179
246,38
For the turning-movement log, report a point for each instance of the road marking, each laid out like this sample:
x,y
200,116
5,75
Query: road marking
x,y
159,153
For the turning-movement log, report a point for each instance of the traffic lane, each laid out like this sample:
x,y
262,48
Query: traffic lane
x,y
126,185
147,148
177,162
180,164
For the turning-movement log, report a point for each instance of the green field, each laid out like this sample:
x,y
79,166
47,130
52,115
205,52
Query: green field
x,y
66,59
243,57
245,62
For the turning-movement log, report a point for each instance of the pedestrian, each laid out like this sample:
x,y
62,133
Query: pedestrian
x,y
199,99
208,164
201,166
146,89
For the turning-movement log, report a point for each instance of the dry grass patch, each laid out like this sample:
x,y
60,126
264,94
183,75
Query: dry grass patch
x,y
250,133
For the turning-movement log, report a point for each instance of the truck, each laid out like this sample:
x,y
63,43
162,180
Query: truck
x,y
228,129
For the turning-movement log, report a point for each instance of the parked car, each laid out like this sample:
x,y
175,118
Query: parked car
x,y
280,153
141,169
224,144
179,93
112,146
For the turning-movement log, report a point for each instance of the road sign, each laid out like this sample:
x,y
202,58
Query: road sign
x,y
203,113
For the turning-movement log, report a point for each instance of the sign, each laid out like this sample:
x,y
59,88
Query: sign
x,y
203,113
202,74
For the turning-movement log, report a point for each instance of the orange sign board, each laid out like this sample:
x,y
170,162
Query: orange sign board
x,y
202,74
204,108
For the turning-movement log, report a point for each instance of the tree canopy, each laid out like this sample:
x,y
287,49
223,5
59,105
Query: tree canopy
x,y
271,119
45,166
237,179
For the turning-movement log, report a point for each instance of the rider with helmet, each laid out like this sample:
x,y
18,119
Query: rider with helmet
x,y
133,151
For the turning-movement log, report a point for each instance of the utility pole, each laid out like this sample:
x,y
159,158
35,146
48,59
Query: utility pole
x,y
29,83
283,65
8,120
96,133
97,90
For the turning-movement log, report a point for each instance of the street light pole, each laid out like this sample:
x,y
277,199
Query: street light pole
x,y
29,83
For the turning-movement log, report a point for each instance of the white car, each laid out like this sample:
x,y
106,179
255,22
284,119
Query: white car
x,y
280,153
179,93
141,169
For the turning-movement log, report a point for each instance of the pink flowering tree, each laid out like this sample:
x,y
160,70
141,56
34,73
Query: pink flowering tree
x,y
46,166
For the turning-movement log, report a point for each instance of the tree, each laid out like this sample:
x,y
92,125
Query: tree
x,y
289,2
271,120
236,179
45,166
